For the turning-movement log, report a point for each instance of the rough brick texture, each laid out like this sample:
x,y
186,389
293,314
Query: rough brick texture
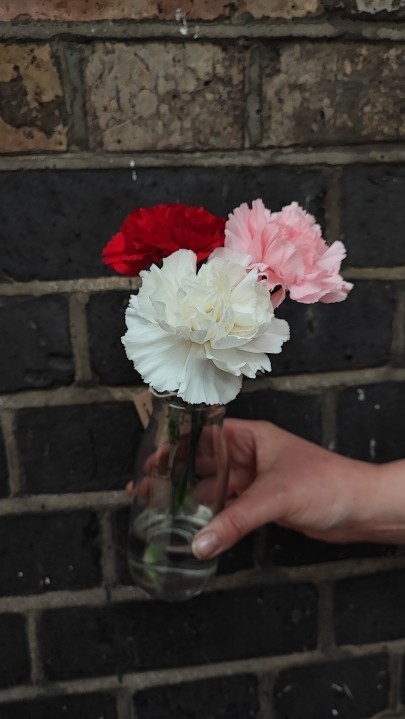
x,y
373,215
300,414
32,110
222,698
83,10
127,637
78,448
371,423
110,364
361,608
42,553
337,336
166,96
285,548
317,94
354,689
42,202
36,350
367,9
3,468
89,706
14,658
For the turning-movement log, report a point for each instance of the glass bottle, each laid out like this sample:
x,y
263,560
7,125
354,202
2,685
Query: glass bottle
x,y
180,484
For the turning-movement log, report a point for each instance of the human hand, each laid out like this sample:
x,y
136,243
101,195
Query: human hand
x,y
278,477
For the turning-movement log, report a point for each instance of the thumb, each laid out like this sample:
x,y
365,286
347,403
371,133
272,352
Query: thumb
x,y
243,515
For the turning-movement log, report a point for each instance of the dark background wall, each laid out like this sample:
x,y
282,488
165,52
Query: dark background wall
x,y
107,106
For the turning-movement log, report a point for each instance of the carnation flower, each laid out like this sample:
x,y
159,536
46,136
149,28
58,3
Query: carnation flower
x,y
150,234
287,249
196,332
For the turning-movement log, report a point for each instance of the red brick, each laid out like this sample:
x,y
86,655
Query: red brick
x,y
329,93
260,9
88,10
165,96
32,111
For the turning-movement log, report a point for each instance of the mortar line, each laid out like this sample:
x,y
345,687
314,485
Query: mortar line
x,y
326,640
331,155
253,130
124,706
79,337
108,560
15,474
265,691
37,674
141,680
350,30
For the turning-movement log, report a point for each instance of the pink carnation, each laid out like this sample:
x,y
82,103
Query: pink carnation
x,y
289,251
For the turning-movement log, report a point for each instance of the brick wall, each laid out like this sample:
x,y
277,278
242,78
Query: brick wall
x,y
105,106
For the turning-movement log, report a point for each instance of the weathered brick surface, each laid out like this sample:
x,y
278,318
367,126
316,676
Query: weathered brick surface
x,y
222,697
106,315
14,658
262,9
40,553
338,336
37,207
327,93
36,350
3,468
354,689
367,9
373,215
284,548
297,413
85,10
84,706
249,622
165,96
364,608
78,448
32,109
371,423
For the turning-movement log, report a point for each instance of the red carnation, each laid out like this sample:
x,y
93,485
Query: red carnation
x,y
148,235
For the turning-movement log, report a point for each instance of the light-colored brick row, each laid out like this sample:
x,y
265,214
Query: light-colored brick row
x,y
32,108
165,96
327,94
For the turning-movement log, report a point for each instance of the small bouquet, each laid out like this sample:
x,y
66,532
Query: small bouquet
x,y
204,316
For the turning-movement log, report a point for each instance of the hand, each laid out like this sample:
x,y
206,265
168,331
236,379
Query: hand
x,y
278,477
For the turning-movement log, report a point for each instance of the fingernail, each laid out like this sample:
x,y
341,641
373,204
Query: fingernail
x,y
205,545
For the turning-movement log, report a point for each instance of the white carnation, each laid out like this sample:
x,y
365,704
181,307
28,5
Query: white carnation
x,y
197,333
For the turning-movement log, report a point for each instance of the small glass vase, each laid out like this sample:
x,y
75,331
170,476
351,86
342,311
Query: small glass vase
x,y
180,484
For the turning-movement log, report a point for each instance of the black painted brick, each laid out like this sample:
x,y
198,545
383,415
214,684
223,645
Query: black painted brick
x,y
371,422
250,622
35,346
85,706
106,320
240,557
339,336
285,548
3,468
373,215
221,697
41,553
364,608
297,413
78,448
60,221
14,658
353,689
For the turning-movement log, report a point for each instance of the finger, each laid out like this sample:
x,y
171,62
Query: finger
x,y
241,516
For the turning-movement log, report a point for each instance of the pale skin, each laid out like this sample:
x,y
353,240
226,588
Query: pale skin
x,y
278,477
